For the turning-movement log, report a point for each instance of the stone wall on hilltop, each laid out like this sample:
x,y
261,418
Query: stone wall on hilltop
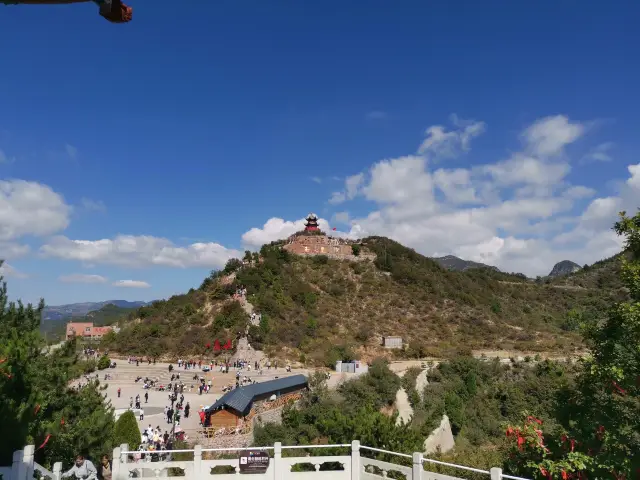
x,y
336,248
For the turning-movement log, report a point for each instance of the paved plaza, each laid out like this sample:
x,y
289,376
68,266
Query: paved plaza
x,y
124,375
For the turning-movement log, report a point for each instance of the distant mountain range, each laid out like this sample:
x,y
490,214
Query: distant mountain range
x,y
451,262
60,312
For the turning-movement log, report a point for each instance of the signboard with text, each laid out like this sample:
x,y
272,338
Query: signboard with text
x,y
254,461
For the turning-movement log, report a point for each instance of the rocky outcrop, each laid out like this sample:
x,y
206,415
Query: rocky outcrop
x,y
441,439
405,412
565,267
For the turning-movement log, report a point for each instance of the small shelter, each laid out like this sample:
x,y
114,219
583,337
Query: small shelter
x,y
233,406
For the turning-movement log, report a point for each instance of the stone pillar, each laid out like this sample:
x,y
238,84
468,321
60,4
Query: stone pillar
x,y
277,464
355,460
416,471
15,467
496,473
115,463
57,470
27,462
197,461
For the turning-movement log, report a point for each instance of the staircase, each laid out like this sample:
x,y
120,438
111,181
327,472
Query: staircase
x,y
244,351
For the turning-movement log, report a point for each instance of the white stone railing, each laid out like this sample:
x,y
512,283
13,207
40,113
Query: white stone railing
x,y
355,466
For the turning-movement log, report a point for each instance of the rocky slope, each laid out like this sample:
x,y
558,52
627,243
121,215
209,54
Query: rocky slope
x,y
317,310
565,267
451,262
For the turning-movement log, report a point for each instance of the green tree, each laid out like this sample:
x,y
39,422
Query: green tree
x,y
104,362
126,431
602,415
36,401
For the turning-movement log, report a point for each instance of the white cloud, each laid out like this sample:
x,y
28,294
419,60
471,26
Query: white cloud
x,y
352,187
341,217
93,205
82,278
12,250
7,270
139,251
131,284
548,136
317,180
5,159
520,214
30,208
276,229
600,153
446,144
71,151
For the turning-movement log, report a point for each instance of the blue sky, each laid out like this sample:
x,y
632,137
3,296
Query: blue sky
x,y
197,126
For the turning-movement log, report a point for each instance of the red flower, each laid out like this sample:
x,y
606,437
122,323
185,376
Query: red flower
x,y
544,471
534,419
37,409
62,421
573,444
563,438
619,389
509,431
564,475
208,345
520,442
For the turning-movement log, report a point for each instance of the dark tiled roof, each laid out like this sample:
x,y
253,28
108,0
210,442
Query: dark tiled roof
x,y
241,398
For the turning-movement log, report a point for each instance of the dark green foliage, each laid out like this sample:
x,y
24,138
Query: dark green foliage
x,y
479,396
126,431
316,303
326,418
355,249
35,397
103,363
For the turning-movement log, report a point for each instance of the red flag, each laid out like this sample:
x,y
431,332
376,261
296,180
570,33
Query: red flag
x,y
46,439
229,346
216,345
334,229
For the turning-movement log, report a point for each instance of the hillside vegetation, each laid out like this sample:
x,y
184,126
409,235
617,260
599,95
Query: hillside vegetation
x,y
317,309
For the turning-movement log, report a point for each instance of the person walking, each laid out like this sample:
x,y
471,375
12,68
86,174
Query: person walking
x,y
119,391
146,397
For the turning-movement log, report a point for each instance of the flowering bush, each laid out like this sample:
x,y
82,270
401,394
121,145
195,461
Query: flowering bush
x,y
532,455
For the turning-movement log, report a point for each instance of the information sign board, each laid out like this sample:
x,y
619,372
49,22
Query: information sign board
x,y
254,461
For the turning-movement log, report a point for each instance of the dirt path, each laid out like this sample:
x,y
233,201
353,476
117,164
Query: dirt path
x,y
561,287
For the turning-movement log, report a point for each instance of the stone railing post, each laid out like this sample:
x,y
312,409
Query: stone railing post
x,y
416,470
27,462
115,463
277,464
496,473
355,460
57,470
124,459
15,466
197,461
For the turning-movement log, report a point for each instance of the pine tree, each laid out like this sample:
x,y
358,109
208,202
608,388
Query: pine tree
x,y
36,400
127,431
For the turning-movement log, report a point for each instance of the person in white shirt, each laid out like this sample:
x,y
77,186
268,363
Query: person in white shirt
x,y
83,469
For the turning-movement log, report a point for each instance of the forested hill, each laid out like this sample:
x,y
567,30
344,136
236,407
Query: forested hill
x,y
316,309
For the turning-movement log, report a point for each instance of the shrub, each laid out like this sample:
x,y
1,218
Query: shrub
x,y
104,362
126,431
